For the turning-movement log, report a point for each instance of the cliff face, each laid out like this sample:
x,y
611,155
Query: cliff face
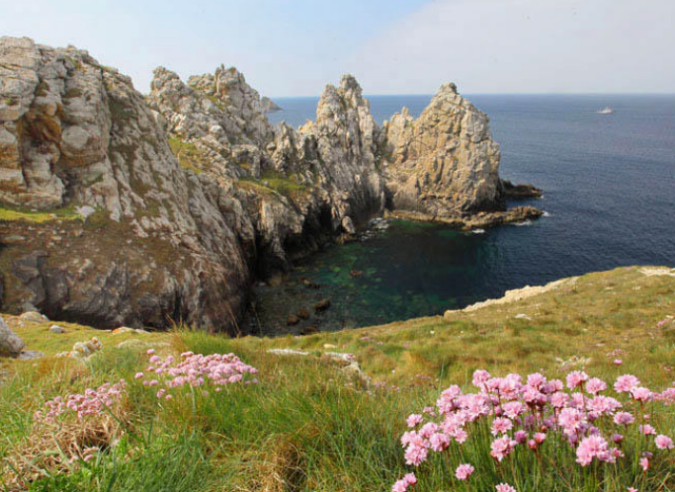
x,y
127,237
125,209
294,187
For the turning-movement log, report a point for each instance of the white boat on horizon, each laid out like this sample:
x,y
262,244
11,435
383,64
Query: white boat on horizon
x,y
606,110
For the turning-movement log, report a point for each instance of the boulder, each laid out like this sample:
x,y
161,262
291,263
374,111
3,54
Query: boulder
x,y
56,329
10,344
33,317
292,320
302,313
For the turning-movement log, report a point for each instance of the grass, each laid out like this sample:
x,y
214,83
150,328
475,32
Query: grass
x,y
309,425
188,155
20,214
271,180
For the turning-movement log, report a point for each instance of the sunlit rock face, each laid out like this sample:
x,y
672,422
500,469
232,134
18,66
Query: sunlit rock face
x,y
444,163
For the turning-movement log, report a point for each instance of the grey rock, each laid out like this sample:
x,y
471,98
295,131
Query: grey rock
x,y
56,329
10,344
30,355
33,317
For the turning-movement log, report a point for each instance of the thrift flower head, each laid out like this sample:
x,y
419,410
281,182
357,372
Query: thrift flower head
x,y
663,442
503,487
592,447
576,379
464,471
623,418
626,383
414,420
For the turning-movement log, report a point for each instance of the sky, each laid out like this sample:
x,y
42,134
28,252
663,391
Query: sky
x,y
296,47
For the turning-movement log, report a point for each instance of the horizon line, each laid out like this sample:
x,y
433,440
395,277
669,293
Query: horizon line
x,y
470,94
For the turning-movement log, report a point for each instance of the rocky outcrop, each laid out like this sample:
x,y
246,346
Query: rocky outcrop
x,y
293,188
158,248
147,211
270,106
444,165
520,191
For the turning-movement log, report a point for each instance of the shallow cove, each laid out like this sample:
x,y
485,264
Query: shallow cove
x,y
398,269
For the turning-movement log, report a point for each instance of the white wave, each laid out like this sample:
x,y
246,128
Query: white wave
x,y
525,223
478,231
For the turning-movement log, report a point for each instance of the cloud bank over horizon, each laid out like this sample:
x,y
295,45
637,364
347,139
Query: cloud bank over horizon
x,y
295,47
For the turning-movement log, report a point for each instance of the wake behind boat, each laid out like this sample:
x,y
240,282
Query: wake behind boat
x,y
606,110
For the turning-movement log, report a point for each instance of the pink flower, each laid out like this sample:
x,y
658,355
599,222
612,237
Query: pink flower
x,y
150,351
464,471
503,487
414,420
399,486
592,447
617,438
632,489
644,463
576,379
641,394
626,383
623,418
618,362
663,442
138,375
595,386
439,441
502,447
480,377
647,430
410,478
501,425
520,436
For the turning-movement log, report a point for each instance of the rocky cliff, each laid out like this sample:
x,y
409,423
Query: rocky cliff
x,y
106,226
125,209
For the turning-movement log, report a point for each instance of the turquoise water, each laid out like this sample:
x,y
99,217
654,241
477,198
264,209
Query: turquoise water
x,y
609,194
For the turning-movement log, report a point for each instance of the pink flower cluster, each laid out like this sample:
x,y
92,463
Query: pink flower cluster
x,y
195,370
91,402
529,411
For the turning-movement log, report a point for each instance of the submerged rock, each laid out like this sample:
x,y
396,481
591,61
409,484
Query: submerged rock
x,y
322,305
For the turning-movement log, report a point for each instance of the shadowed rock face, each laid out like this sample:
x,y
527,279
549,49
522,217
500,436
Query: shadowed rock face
x,y
133,210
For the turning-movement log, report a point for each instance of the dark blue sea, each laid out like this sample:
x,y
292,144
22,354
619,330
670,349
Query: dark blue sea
x,y
609,197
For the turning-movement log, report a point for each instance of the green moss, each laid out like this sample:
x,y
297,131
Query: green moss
x,y
217,102
73,92
19,214
188,155
286,185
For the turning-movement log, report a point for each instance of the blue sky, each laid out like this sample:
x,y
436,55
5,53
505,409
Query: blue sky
x,y
295,47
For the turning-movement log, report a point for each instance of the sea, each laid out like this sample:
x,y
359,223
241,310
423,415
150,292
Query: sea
x,y
609,201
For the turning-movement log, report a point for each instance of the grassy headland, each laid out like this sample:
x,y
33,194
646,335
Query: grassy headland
x,y
310,424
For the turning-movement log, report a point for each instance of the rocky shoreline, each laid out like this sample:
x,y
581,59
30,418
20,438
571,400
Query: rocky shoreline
x,y
120,209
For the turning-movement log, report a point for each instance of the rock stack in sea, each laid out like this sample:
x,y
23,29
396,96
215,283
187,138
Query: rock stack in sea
x,y
135,210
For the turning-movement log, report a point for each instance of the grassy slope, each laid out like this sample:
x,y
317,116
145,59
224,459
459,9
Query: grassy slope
x,y
309,425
